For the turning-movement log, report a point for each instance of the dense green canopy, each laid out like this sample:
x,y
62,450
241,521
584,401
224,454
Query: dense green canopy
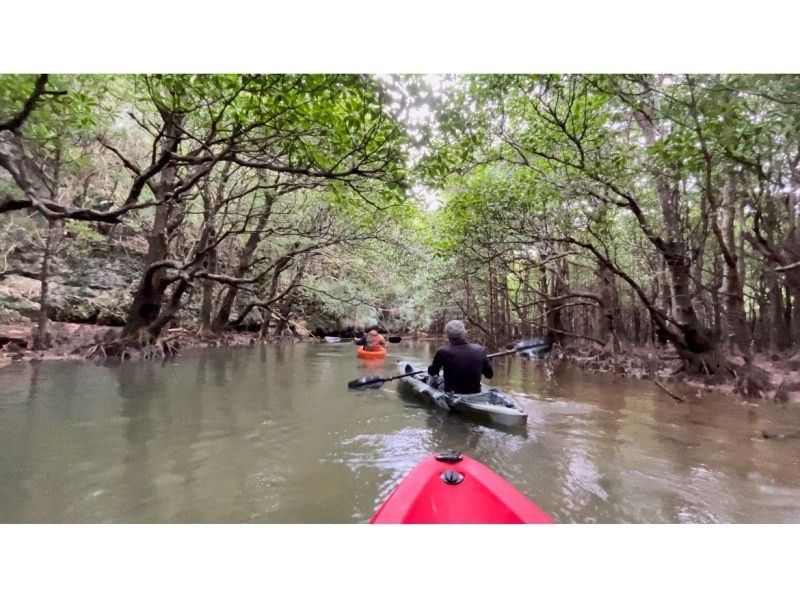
x,y
616,210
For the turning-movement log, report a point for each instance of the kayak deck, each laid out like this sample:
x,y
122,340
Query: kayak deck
x,y
452,488
489,406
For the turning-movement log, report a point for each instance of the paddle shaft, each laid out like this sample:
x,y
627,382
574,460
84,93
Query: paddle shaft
x,y
501,353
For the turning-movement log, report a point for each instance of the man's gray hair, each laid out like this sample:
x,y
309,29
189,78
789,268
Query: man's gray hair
x,y
455,330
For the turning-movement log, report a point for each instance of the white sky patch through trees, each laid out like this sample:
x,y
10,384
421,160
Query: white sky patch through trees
x,y
412,101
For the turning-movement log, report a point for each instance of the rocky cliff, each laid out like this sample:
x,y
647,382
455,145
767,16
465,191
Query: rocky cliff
x,y
90,284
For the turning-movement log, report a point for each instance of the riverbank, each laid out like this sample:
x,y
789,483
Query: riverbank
x,y
74,341
664,368
70,341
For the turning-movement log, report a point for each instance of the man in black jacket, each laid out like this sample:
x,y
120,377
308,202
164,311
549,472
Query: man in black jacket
x,y
463,362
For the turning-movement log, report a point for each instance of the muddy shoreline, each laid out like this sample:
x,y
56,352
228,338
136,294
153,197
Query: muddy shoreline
x,y
72,342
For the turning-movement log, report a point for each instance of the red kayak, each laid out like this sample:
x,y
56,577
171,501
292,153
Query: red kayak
x,y
452,488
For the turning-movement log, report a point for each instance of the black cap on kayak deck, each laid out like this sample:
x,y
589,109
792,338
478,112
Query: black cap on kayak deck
x,y
449,457
452,477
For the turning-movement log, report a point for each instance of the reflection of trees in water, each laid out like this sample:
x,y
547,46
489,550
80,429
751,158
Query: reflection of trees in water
x,y
280,352
201,371
252,395
530,376
224,366
526,376
137,386
240,358
47,444
181,433
502,369
219,362
33,387
17,457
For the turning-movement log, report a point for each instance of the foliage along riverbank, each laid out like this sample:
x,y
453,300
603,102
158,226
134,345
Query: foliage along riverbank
x,y
71,341
650,222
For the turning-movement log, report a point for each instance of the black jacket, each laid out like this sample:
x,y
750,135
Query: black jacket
x,y
463,364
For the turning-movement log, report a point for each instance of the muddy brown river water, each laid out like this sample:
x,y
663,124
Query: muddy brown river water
x,y
271,434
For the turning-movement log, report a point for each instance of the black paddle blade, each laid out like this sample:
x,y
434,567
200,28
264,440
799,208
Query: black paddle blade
x,y
537,348
366,382
395,339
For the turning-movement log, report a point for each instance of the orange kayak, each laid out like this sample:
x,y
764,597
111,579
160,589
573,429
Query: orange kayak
x,y
380,353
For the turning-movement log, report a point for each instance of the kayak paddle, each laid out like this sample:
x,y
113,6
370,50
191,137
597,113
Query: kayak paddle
x,y
377,381
391,339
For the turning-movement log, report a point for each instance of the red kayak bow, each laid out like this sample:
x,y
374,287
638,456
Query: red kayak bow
x,y
452,488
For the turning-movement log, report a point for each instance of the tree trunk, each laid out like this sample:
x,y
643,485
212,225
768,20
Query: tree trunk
x,y
222,319
210,203
149,295
207,304
779,330
288,303
42,338
170,310
492,340
273,291
787,316
696,337
731,289
555,319
608,312
715,300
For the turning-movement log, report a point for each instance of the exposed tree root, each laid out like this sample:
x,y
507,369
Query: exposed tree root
x,y
712,368
752,381
132,350
669,392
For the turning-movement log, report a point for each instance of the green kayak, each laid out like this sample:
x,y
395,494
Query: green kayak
x,y
488,406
